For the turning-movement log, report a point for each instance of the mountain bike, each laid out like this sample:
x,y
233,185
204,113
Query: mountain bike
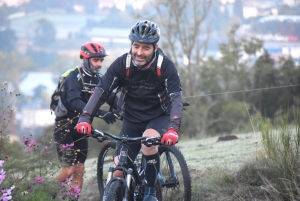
x,y
173,181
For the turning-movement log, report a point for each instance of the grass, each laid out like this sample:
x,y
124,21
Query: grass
x,y
256,166
240,169
213,166
202,154
205,153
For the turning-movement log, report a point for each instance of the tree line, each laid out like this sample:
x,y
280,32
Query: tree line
x,y
225,91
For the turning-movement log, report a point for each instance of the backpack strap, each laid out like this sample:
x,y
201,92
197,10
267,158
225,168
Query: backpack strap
x,y
84,87
158,69
128,60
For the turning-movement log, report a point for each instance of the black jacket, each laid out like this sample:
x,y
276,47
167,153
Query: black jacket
x,y
75,97
140,95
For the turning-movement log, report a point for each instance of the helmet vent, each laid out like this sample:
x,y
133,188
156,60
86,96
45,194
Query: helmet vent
x,y
94,47
145,31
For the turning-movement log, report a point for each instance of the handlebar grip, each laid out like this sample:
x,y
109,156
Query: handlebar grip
x,y
185,104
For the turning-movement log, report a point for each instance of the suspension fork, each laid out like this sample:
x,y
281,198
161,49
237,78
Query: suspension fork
x,y
171,167
170,163
123,162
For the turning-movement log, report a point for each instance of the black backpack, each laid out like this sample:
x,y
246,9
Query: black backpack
x,y
56,104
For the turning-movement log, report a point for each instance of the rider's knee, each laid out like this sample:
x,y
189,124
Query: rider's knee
x,y
149,150
153,149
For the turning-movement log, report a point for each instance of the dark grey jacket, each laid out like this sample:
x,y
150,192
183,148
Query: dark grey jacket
x,y
140,98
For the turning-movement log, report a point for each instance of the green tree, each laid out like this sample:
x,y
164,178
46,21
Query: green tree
x,y
265,76
224,112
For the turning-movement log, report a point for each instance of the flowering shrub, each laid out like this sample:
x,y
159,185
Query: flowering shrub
x,y
27,168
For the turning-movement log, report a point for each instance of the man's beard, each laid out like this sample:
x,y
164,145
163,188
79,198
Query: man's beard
x,y
87,65
146,60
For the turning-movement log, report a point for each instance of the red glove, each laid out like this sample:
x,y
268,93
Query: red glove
x,y
170,137
84,128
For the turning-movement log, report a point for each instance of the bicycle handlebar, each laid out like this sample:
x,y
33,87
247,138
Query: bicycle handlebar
x,y
101,136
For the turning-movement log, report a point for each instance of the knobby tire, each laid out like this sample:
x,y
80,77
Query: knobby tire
x,y
173,189
105,159
114,192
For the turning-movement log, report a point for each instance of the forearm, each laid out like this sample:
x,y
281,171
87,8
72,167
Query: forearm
x,y
176,111
93,105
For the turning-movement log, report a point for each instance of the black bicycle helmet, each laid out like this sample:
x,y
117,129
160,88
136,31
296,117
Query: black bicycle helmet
x,y
144,32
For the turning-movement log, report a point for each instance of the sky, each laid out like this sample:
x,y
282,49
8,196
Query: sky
x,y
120,4
13,2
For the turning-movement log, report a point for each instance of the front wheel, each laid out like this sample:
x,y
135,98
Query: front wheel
x,y
174,175
113,192
105,159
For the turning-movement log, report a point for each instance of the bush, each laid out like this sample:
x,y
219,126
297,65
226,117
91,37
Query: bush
x,y
279,166
26,170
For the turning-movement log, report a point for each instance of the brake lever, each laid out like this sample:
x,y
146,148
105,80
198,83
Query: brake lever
x,y
148,142
101,139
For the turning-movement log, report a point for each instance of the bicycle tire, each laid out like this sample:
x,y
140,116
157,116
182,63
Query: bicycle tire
x,y
174,189
114,192
105,159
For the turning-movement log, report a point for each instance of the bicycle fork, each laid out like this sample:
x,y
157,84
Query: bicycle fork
x,y
120,166
172,181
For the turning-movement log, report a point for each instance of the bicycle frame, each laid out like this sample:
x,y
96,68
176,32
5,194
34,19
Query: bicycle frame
x,y
133,177
129,173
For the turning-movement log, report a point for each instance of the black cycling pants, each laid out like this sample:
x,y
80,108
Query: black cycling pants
x,y
65,134
131,129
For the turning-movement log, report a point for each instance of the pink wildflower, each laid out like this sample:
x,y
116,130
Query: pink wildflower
x,y
39,179
6,194
65,182
67,146
1,163
5,197
32,144
2,175
75,191
26,141
6,156
64,195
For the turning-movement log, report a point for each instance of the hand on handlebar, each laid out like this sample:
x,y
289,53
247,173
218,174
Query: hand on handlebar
x,y
170,137
107,116
84,128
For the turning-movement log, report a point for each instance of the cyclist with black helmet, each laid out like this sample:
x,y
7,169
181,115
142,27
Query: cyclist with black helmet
x,y
150,100
72,147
